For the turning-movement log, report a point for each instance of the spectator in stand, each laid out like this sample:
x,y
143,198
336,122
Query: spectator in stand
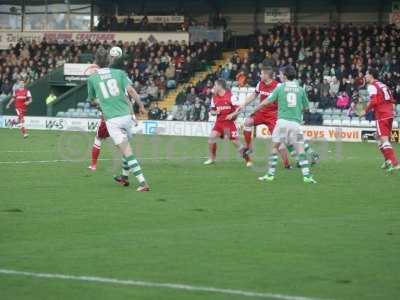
x,y
397,93
129,24
152,90
225,73
164,114
197,107
241,79
6,87
334,87
162,86
191,96
144,23
154,112
344,52
170,76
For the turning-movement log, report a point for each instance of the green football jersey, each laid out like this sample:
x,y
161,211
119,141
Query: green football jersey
x,y
292,100
108,86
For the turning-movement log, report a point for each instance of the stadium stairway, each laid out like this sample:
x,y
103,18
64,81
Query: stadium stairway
x,y
170,99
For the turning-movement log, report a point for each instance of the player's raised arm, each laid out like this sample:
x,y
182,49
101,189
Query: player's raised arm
x,y
235,103
136,98
127,84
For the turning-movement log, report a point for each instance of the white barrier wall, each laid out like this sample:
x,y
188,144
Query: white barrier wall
x,y
196,129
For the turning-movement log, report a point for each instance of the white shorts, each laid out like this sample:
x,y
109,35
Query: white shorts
x,y
287,132
120,128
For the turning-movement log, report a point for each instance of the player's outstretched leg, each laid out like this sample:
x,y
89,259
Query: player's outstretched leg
x,y
96,148
384,166
390,156
130,164
242,151
212,148
285,156
21,122
136,170
314,156
310,151
123,179
305,168
272,162
303,161
248,134
292,152
24,131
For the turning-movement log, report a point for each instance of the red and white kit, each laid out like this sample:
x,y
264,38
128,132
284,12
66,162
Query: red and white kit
x,y
101,134
21,96
223,106
268,114
381,103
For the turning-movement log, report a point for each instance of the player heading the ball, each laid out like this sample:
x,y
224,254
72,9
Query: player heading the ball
x,y
108,86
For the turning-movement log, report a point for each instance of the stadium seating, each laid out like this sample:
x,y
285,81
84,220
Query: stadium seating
x,y
82,110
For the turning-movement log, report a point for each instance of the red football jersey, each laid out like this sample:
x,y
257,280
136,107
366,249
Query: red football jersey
x,y
21,95
264,90
381,101
224,105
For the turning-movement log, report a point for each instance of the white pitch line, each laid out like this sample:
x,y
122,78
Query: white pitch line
x,y
87,160
149,284
26,151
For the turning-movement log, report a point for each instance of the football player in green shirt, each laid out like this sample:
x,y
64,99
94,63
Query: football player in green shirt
x,y
292,101
108,87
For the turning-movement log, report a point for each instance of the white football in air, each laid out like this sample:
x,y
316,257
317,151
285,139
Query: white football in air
x,y
115,52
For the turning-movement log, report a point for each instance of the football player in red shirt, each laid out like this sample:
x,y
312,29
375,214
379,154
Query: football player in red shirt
x,y
22,98
225,106
268,116
382,104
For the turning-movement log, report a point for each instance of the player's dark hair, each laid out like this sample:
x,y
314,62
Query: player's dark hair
x,y
101,57
289,72
221,83
268,70
374,73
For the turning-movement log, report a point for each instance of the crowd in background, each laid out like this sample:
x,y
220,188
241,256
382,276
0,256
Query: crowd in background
x,y
31,62
156,68
153,67
331,61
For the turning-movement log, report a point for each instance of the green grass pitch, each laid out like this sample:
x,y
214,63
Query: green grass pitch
x,y
213,226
